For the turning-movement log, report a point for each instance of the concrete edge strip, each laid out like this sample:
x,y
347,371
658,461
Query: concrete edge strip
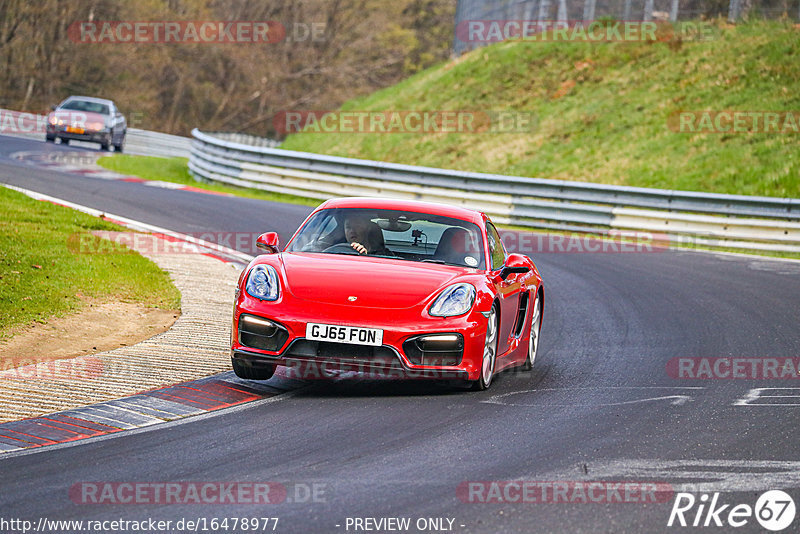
x,y
170,404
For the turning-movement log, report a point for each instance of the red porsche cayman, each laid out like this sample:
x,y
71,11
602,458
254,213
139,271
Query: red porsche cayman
x,y
388,286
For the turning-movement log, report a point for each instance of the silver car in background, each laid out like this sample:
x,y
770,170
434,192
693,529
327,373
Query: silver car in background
x,y
84,118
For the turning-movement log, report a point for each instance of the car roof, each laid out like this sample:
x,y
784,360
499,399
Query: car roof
x,y
89,99
418,206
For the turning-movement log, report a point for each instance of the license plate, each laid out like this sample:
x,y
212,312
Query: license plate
x,y
72,129
344,334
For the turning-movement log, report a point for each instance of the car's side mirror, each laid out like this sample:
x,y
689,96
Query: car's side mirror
x,y
269,242
515,264
53,107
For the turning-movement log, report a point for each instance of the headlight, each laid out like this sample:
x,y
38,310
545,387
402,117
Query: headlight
x,y
96,126
262,283
53,120
455,300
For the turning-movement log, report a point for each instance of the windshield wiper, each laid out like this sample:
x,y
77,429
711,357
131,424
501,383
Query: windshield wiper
x,y
441,262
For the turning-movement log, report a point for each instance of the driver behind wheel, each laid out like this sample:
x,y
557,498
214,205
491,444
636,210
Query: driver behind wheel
x,y
364,236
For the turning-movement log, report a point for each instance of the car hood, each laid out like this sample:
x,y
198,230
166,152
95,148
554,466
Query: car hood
x,y
375,282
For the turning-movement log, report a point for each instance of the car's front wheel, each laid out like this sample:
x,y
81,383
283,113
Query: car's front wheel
x,y
249,372
118,146
489,358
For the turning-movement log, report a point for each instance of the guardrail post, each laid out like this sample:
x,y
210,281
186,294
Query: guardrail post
x,y
627,13
563,14
588,10
673,12
733,11
648,11
544,10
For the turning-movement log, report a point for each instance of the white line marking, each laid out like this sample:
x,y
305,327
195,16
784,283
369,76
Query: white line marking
x,y
757,393
677,400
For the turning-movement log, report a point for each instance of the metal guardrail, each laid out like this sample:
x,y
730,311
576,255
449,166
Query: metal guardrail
x,y
137,142
147,143
713,219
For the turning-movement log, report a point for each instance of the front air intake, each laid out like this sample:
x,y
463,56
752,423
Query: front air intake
x,y
435,349
260,333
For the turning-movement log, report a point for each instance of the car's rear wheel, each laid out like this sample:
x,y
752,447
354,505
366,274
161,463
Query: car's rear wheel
x,y
489,359
249,372
536,329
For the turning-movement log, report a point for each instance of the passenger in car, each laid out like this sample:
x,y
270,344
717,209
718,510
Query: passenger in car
x,y
455,246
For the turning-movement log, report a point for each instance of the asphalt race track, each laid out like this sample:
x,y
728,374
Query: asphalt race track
x,y
600,404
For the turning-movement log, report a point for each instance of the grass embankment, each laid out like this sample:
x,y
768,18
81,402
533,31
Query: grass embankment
x,y
602,112
43,272
175,170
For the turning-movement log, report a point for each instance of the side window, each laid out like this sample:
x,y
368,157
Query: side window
x,y
496,248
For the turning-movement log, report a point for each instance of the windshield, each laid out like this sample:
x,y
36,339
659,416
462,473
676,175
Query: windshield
x,y
402,235
84,105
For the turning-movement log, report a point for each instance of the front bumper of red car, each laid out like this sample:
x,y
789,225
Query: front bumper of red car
x,y
414,344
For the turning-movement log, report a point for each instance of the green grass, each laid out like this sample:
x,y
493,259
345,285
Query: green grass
x,y
43,273
175,170
602,112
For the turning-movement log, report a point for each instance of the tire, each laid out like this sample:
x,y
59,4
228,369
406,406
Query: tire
x,y
489,358
249,372
104,147
535,333
50,138
64,141
118,147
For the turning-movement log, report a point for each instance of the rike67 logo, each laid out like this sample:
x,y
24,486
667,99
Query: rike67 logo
x,y
774,510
